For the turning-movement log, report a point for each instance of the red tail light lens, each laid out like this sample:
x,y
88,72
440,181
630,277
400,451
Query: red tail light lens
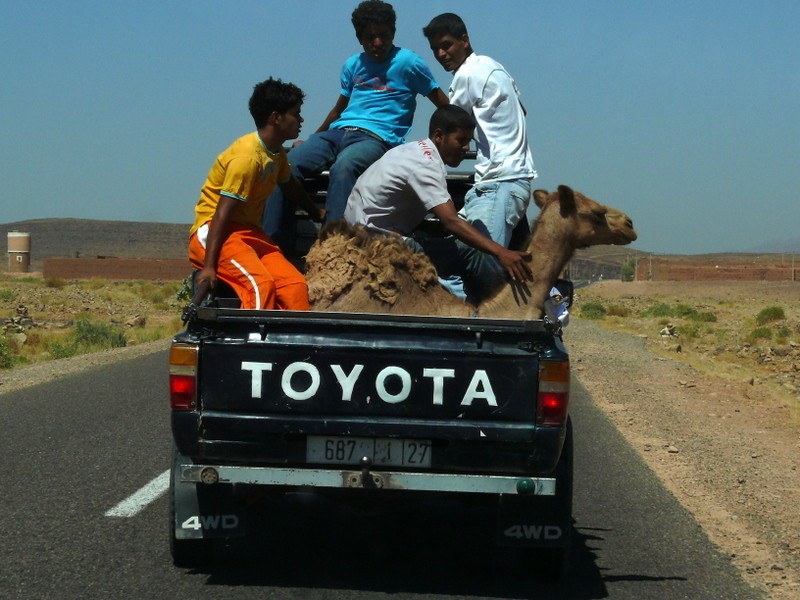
x,y
182,382
553,399
181,392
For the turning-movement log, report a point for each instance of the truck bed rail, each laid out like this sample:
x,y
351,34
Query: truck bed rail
x,y
289,319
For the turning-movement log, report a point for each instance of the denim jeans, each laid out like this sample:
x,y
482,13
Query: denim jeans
x,y
479,271
494,208
346,154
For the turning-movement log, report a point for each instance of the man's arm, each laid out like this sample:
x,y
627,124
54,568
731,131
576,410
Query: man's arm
x,y
335,112
515,263
218,232
438,97
295,192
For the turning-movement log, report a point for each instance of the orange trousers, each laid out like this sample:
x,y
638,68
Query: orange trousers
x,y
256,269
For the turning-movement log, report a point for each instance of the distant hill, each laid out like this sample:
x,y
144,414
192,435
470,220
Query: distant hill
x,y
786,246
88,238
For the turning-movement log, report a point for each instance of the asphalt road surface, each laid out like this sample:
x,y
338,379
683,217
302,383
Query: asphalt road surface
x,y
83,514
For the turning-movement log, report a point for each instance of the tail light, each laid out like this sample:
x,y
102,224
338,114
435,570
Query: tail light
x,y
553,399
182,376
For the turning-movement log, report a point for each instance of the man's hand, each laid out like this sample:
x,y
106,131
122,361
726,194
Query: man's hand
x,y
516,264
206,275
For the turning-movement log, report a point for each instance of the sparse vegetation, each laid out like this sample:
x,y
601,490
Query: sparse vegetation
x,y
618,310
770,314
678,311
184,293
704,317
7,357
54,282
659,310
86,337
718,326
593,310
55,318
759,333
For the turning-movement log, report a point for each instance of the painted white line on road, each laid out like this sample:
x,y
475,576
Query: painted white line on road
x,y
137,501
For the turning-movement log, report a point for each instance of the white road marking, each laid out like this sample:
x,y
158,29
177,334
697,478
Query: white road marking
x,y
138,500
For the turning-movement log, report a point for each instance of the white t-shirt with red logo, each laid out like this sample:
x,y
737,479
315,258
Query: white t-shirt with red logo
x,y
396,192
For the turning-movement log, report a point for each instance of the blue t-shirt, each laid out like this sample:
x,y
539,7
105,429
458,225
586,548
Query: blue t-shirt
x,y
383,96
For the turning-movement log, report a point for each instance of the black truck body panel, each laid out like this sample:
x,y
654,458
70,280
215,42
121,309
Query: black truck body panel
x,y
481,417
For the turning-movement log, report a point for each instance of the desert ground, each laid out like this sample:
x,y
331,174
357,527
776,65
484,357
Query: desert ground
x,y
713,411
713,408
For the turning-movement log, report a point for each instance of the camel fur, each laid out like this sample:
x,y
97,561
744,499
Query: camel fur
x,y
350,269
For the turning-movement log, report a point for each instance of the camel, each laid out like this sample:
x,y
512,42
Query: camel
x,y
350,269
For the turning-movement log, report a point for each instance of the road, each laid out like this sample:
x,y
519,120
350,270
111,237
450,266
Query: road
x,y
83,515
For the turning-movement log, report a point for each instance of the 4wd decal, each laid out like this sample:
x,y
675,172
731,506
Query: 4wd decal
x,y
534,532
210,522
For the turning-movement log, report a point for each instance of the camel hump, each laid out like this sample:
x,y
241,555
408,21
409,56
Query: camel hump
x,y
348,261
338,227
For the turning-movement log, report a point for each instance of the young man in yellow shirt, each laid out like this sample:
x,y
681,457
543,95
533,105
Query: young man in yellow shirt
x,y
226,240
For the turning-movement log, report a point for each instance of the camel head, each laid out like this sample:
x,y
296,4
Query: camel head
x,y
584,222
567,220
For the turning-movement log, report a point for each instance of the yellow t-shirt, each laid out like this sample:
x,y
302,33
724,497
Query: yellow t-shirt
x,y
247,171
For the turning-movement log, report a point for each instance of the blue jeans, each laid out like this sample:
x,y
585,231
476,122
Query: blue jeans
x,y
346,154
479,272
494,208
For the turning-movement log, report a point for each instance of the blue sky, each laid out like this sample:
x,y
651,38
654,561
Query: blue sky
x,y
684,114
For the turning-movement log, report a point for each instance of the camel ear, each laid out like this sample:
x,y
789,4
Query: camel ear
x,y
540,197
566,198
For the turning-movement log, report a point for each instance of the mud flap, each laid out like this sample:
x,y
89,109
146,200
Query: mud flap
x,y
532,522
540,521
203,511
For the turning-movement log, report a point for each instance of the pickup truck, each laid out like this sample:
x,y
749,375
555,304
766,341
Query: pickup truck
x,y
367,408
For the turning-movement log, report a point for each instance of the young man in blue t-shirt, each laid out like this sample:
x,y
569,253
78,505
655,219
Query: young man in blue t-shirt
x,y
373,113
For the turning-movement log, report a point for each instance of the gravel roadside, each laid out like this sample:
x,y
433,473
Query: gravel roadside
x,y
722,447
18,378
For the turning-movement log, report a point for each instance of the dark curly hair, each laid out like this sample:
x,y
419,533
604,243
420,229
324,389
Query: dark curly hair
x,y
273,95
373,12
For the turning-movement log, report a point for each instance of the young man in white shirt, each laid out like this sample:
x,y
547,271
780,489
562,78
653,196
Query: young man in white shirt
x,y
504,170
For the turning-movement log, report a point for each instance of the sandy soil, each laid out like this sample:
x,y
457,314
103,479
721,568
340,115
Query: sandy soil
x,y
727,446
726,443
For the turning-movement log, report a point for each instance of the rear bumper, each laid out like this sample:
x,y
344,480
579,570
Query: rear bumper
x,y
505,449
366,478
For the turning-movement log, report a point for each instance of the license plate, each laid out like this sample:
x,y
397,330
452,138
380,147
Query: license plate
x,y
389,452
